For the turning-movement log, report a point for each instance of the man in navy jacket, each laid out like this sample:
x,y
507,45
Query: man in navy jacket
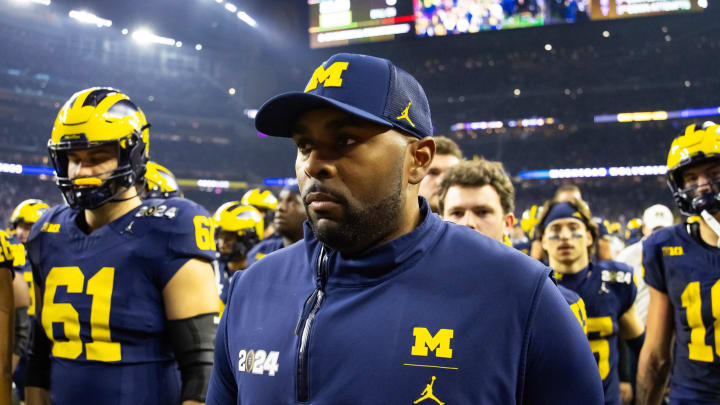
x,y
382,301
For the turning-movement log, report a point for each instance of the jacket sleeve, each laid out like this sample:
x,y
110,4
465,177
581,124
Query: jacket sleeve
x,y
560,368
222,389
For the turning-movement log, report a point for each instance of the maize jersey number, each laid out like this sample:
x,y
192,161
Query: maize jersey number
x,y
100,287
698,350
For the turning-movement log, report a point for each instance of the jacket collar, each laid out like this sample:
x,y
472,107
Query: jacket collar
x,y
379,262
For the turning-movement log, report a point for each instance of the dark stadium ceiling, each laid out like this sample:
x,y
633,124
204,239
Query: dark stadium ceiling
x,y
200,21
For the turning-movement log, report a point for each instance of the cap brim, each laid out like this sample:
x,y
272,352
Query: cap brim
x,y
278,115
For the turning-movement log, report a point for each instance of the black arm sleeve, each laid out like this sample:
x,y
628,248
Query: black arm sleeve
x,y
193,341
636,344
624,361
22,330
37,373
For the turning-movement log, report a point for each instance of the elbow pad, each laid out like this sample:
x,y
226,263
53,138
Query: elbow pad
x,y
37,372
193,341
22,331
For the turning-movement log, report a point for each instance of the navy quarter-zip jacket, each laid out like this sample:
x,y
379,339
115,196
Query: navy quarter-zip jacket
x,y
442,315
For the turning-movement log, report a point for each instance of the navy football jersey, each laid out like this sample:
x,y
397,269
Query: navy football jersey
x,y
688,271
577,305
608,290
264,248
222,278
6,251
22,268
102,304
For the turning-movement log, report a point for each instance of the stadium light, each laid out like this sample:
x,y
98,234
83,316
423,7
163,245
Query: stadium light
x,y
230,7
85,17
521,123
280,181
657,115
26,2
198,47
124,31
144,37
246,19
586,172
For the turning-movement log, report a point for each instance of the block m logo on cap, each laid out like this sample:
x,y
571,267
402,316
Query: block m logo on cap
x,y
330,77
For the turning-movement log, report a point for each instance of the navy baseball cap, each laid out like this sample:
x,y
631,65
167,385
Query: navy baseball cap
x,y
364,86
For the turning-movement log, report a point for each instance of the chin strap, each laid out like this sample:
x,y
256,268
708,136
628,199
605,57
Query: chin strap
x,y
713,224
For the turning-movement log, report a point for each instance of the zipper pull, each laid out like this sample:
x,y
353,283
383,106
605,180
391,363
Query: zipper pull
x,y
322,267
307,307
321,274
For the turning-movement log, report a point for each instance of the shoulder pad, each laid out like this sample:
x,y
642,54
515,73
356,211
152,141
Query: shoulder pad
x,y
165,214
51,221
614,265
188,226
661,235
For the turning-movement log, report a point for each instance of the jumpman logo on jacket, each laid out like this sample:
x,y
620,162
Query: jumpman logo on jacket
x,y
428,393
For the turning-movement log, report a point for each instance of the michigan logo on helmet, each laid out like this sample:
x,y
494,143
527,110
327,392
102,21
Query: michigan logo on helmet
x,y
244,221
633,231
694,147
95,117
529,219
262,200
160,182
28,211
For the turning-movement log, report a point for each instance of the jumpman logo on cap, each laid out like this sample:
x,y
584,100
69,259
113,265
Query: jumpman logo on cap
x,y
406,114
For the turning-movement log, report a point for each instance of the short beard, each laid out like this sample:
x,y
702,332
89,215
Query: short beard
x,y
363,227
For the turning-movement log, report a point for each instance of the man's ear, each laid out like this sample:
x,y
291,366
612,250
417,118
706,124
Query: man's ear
x,y
421,156
509,222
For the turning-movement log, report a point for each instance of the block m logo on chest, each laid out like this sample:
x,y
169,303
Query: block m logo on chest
x,y
439,343
330,77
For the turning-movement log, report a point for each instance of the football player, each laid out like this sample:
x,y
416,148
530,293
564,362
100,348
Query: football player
x,y
633,231
265,202
568,235
447,155
21,221
126,305
682,270
569,192
528,220
7,305
160,182
238,228
288,223
480,195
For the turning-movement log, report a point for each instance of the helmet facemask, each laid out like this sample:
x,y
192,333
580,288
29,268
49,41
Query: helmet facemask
x,y
689,201
245,241
130,169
